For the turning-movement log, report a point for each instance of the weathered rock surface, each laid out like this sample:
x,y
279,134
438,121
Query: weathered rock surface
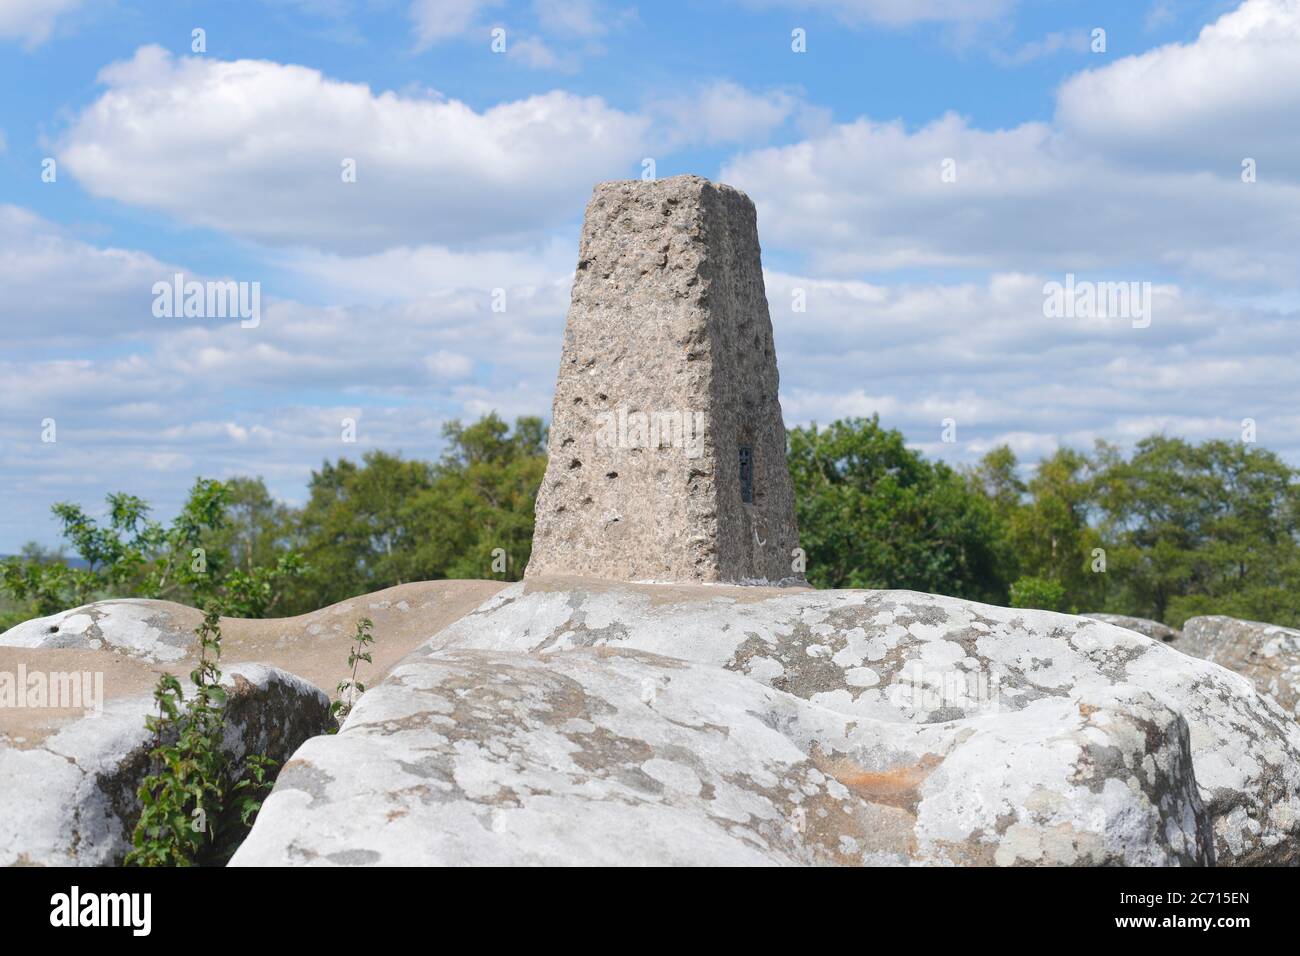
x,y
600,756
68,782
153,631
667,448
313,646
1267,654
577,722
1152,629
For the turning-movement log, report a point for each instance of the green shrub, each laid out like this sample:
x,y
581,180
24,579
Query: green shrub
x,y
1039,593
195,805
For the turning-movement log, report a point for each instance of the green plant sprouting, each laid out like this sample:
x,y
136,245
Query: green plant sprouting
x,y
194,797
349,689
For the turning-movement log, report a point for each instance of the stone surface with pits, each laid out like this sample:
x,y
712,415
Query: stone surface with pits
x,y
667,447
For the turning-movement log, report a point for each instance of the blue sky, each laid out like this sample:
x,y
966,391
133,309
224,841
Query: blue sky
x,y
925,294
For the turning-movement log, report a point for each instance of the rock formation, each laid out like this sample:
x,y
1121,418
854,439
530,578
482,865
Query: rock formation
x,y
1269,655
68,795
580,722
667,447
68,778
1152,629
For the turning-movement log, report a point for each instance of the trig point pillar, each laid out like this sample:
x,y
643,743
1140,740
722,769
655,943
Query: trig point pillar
x,y
667,448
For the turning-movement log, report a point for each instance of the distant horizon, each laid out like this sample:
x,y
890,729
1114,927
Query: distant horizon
x,y
96,507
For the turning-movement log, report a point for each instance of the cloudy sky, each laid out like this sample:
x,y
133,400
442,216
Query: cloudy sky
x,y
921,170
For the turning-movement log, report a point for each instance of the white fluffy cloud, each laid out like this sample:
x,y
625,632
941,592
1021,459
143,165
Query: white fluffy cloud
x,y
61,289
438,20
178,398
536,54
723,112
1232,93
585,21
868,196
1065,196
256,148
412,272
984,354
577,18
32,20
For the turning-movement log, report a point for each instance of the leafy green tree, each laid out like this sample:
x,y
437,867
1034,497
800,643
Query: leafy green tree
x,y
1203,528
1051,534
1044,528
256,542
356,528
387,521
996,477
34,583
256,530
874,514
1042,593
132,555
478,516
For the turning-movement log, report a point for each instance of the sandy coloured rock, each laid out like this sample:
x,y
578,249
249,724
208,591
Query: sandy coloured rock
x,y
314,646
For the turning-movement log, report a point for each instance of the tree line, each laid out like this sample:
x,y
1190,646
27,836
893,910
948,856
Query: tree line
x,y
1167,530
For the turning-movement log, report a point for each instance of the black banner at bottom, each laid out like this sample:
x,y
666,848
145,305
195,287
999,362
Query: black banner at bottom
x,y
329,905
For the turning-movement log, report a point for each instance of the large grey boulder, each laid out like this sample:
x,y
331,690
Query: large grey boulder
x,y
1267,654
68,782
571,721
596,756
1152,629
667,448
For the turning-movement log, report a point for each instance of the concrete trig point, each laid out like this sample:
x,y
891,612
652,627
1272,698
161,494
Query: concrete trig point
x,y
667,448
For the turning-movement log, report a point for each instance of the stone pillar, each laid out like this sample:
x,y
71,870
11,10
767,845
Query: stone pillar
x,y
667,448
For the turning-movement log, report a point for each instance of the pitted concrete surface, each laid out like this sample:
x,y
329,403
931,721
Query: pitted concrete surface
x,y
668,330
